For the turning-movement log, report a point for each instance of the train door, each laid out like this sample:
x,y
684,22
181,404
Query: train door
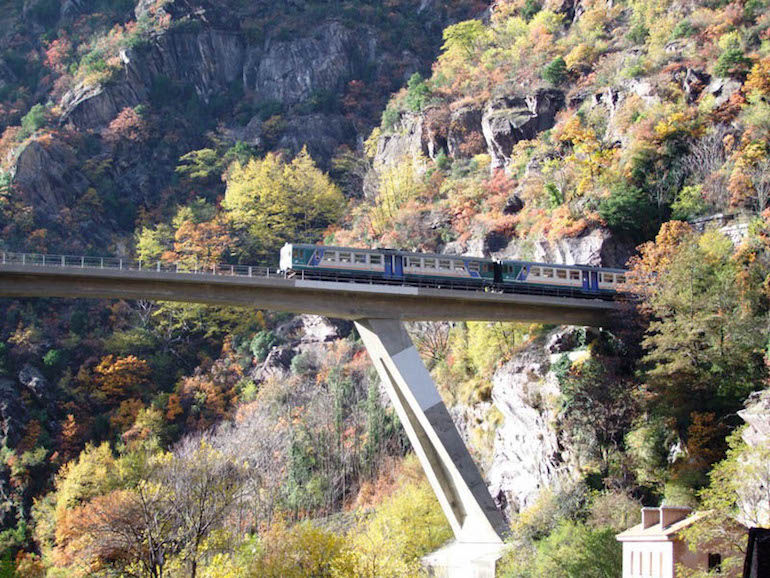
x,y
590,281
388,261
398,266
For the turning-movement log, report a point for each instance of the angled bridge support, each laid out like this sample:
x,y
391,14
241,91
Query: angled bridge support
x,y
477,523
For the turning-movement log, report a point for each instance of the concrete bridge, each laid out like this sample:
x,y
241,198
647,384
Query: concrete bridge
x,y
379,311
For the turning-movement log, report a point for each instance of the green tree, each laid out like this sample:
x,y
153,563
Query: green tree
x,y
464,38
708,324
417,93
271,202
555,71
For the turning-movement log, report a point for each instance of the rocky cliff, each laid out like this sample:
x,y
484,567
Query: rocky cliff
x,y
208,69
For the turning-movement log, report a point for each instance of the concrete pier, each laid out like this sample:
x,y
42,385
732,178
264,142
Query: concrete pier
x,y
477,523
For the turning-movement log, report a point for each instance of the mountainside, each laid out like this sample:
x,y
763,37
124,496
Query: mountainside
x,y
205,132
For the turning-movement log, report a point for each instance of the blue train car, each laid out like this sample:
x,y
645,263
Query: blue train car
x,y
388,265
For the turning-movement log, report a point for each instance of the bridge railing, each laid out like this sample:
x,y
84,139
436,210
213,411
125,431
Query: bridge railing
x,y
117,263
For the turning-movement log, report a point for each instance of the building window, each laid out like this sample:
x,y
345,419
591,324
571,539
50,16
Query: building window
x,y
715,563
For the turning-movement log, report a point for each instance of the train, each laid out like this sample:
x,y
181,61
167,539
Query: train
x,y
326,262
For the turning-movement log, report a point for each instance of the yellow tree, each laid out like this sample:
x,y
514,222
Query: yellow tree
x,y
271,201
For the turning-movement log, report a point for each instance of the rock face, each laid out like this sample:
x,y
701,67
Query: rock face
x,y
209,60
302,334
597,247
757,417
31,378
320,133
12,414
292,71
47,177
528,454
510,119
410,140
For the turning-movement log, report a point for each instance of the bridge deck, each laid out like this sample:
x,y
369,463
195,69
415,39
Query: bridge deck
x,y
259,288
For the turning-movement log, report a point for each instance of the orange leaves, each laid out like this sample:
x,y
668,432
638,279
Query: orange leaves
x,y
128,126
58,53
201,244
655,256
758,81
118,378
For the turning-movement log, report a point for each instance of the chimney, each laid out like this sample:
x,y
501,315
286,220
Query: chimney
x,y
672,514
650,517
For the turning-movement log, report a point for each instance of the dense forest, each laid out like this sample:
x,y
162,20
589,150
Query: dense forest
x,y
161,439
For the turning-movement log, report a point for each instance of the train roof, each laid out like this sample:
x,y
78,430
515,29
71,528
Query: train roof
x,y
560,266
465,257
400,252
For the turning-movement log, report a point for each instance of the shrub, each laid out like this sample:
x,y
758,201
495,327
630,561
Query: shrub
x,y
732,61
556,71
32,121
628,211
530,8
638,34
689,203
390,118
53,358
417,93
262,343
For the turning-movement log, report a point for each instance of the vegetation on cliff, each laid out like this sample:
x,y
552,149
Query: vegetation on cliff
x,y
166,439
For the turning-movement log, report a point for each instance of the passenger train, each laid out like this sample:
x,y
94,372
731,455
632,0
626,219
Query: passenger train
x,y
448,271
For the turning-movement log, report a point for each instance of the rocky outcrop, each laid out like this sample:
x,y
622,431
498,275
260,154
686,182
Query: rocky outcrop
x,y
322,134
293,71
410,140
528,453
209,60
301,334
597,247
12,414
31,378
757,418
465,137
512,118
47,177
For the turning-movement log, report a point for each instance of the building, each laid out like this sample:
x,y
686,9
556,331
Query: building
x,y
653,548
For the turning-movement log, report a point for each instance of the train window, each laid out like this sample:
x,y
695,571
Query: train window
x,y
574,275
360,258
445,264
415,262
344,257
430,263
459,266
606,278
620,279
535,271
561,274
375,259
548,273
473,266
330,256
